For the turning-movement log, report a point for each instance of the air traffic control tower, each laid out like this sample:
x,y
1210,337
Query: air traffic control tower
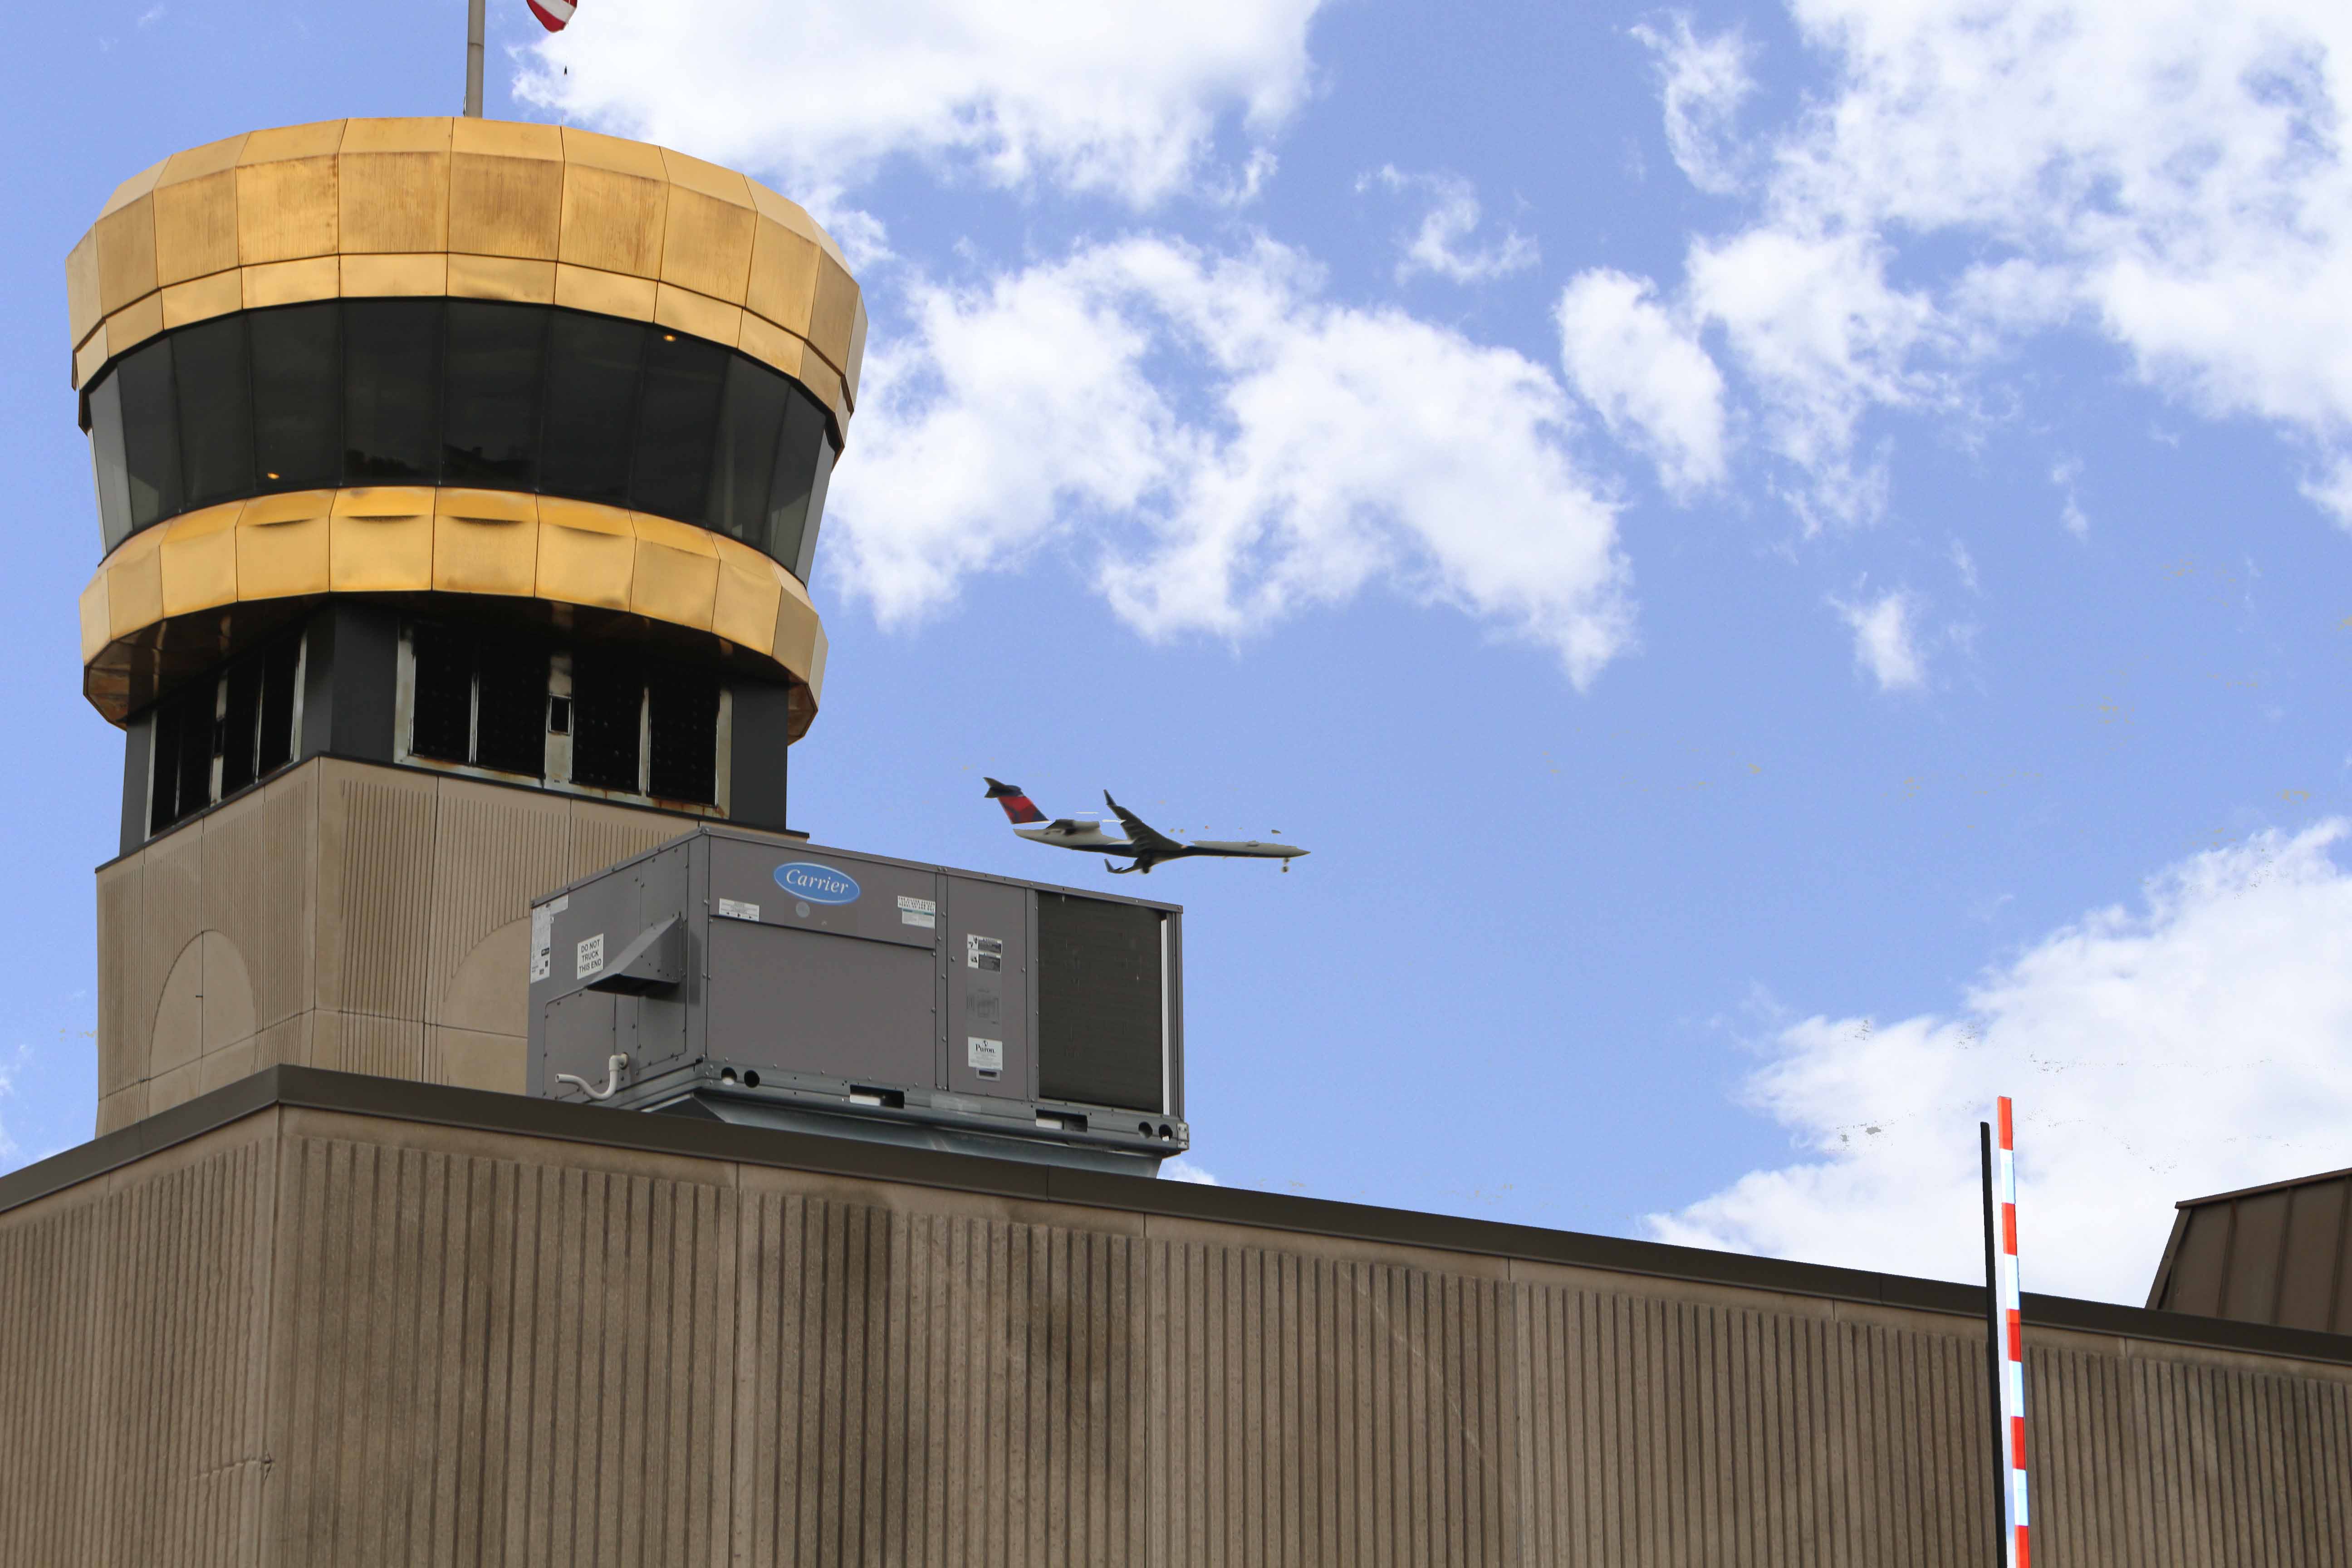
x,y
458,483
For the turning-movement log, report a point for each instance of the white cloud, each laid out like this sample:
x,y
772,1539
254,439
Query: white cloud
x,y
2167,174
1121,98
1320,449
2071,515
1886,640
1964,566
1180,1169
1441,245
1703,82
1821,338
1645,374
2195,1045
2331,490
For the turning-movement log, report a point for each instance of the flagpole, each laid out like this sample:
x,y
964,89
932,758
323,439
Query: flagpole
x,y
473,59
1993,1358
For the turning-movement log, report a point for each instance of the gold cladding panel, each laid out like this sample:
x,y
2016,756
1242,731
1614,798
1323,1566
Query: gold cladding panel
x,y
815,678
292,282
782,284
82,295
283,549
697,315
797,631
134,323
856,352
196,226
131,189
605,294
770,344
319,138
706,245
285,210
505,206
134,583
485,541
593,150
202,299
506,139
502,277
793,216
834,313
691,174
126,254
196,163
96,628
750,590
613,221
394,201
676,572
586,554
822,381
381,539
90,356
376,277
418,133
199,559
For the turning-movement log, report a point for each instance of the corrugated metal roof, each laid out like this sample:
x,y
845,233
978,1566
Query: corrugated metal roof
x,y
2280,1253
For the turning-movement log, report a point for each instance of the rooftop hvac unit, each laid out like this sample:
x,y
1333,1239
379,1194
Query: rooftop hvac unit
x,y
733,976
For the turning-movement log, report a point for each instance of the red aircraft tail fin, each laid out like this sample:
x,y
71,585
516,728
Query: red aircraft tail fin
x,y
1019,809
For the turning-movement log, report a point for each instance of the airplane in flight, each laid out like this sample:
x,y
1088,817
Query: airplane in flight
x,y
1144,844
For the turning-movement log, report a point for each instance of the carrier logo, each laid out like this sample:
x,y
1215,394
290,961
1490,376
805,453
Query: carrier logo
x,y
818,884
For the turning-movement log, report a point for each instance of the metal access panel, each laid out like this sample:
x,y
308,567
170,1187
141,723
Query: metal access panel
x,y
738,976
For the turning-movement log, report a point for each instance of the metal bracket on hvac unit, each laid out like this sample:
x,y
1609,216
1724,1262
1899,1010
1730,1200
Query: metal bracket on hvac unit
x,y
654,962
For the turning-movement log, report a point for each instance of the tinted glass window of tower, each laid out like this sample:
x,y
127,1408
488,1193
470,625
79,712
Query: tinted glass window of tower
x,y
460,392
627,724
224,732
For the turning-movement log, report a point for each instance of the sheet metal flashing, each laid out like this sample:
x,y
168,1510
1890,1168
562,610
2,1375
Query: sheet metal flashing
x,y
315,1088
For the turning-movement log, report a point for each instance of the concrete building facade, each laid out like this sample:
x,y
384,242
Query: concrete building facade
x,y
317,1317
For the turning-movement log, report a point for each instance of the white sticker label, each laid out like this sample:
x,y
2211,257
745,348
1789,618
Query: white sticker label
x,y
918,917
543,936
986,1057
918,906
737,910
591,956
983,953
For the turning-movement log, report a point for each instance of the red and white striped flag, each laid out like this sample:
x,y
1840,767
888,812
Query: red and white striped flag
x,y
551,14
2012,1336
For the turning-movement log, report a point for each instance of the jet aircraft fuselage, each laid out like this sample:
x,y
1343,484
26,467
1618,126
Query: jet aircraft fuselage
x,y
1144,845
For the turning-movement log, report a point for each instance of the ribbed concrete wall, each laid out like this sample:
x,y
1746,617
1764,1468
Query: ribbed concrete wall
x,y
360,1340
133,1331
345,915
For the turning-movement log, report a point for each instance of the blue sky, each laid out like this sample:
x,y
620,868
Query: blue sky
x,y
1791,565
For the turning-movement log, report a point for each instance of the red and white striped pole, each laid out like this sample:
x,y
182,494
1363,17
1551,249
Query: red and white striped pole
x,y
2009,1320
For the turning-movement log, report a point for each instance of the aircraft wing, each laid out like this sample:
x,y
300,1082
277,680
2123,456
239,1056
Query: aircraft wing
x,y
1138,831
1064,833
1252,848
